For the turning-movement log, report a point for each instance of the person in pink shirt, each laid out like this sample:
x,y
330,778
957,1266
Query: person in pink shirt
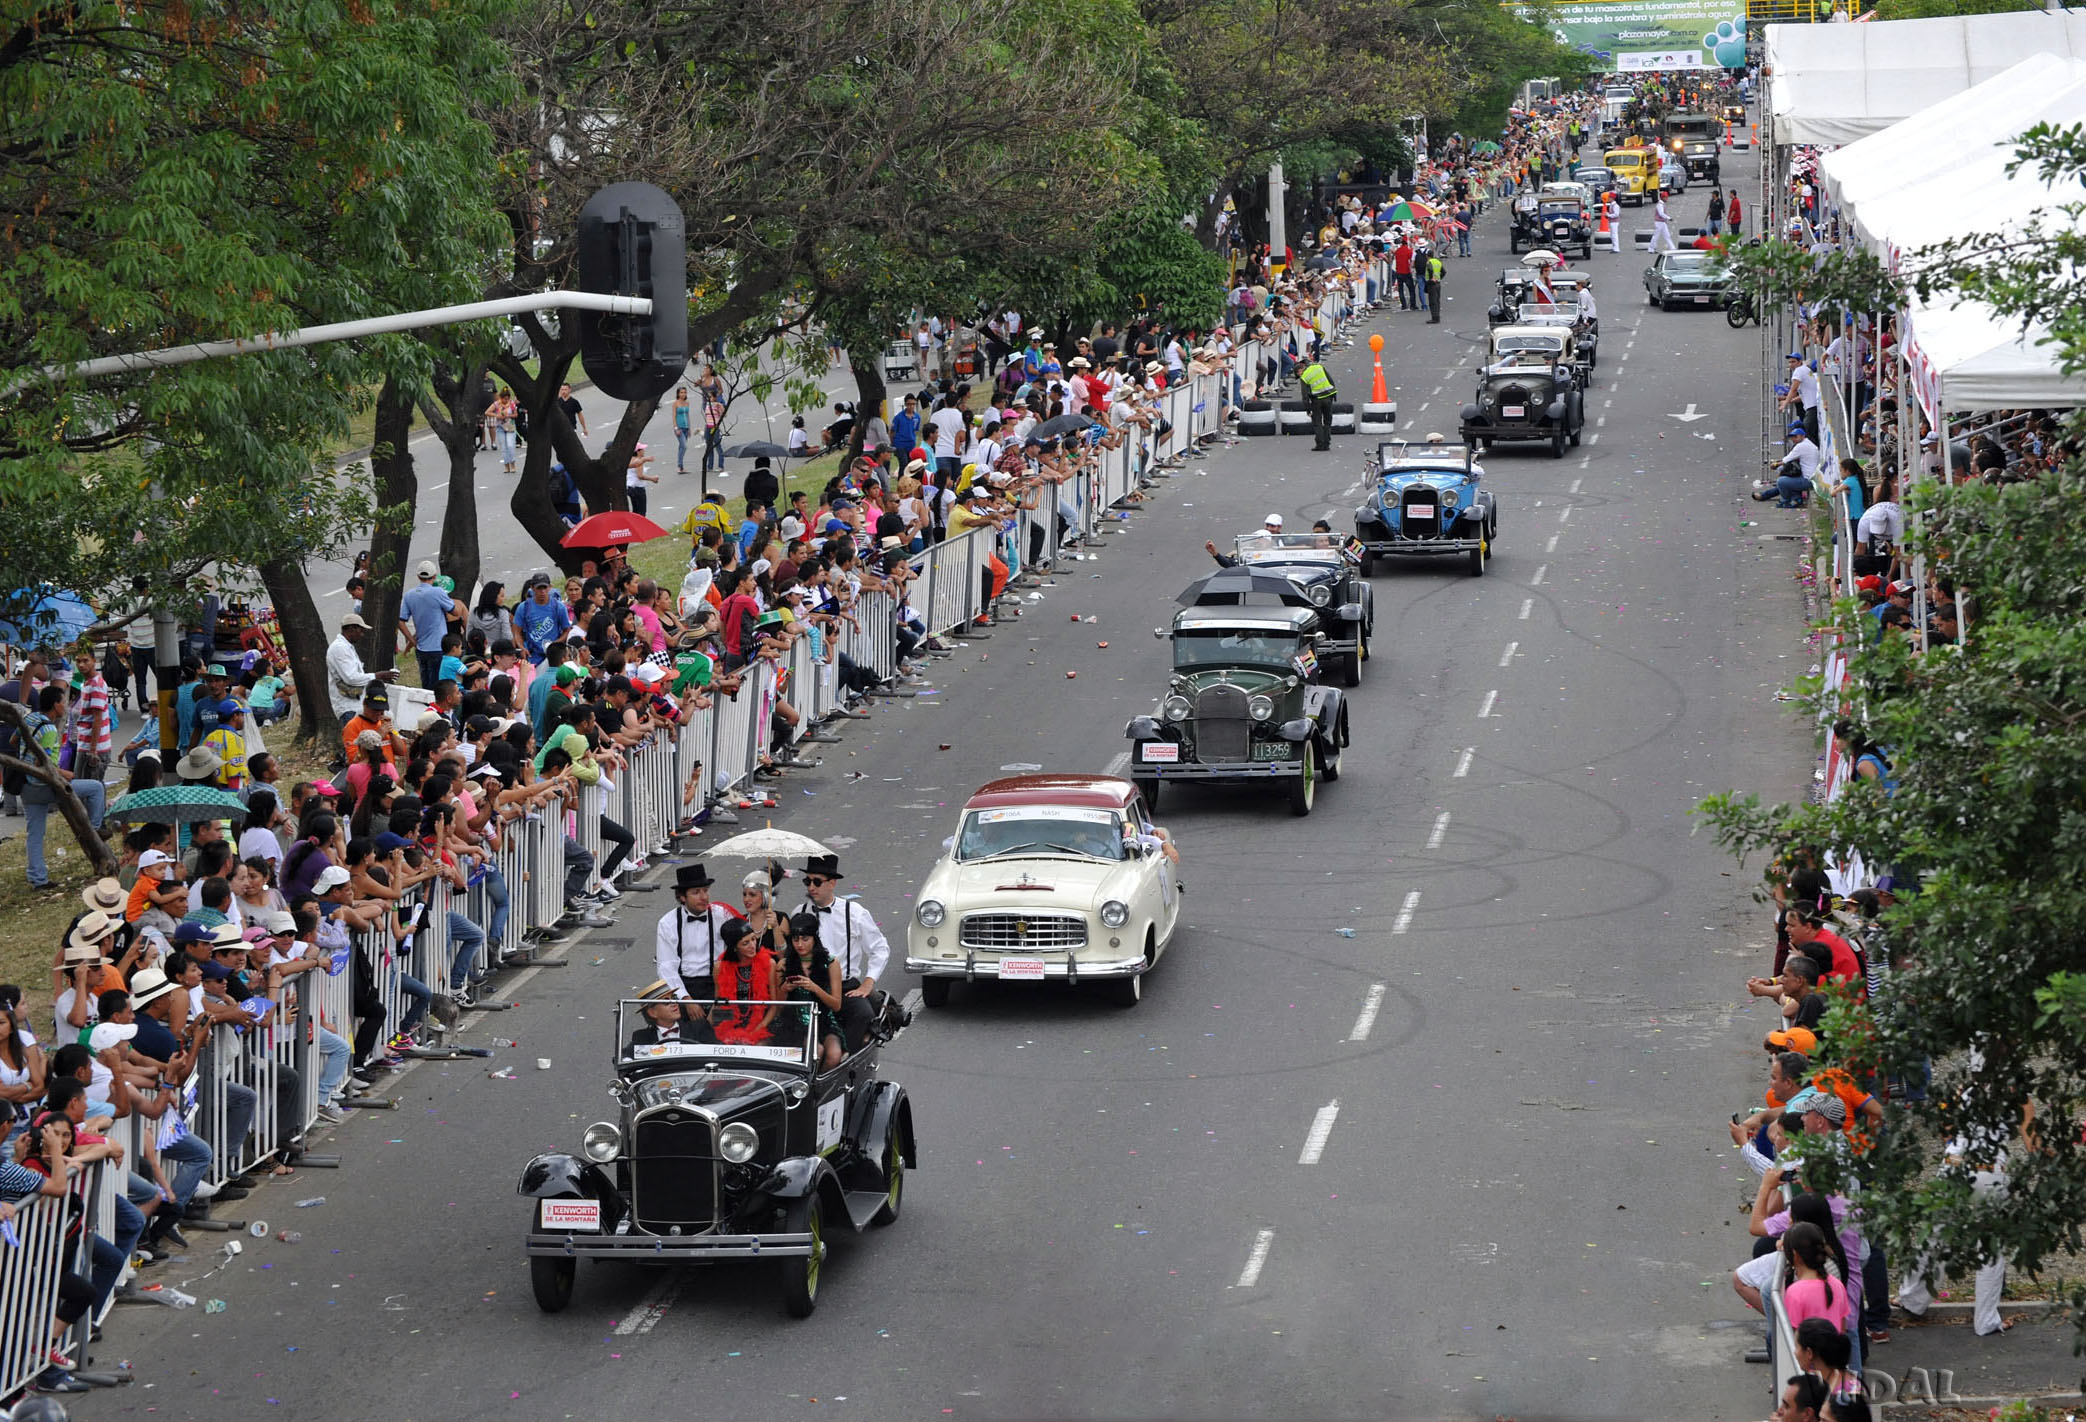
x,y
1810,1290
645,594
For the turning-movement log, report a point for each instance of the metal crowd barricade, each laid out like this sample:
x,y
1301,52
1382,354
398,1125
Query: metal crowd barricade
x,y
29,1290
731,739
247,1059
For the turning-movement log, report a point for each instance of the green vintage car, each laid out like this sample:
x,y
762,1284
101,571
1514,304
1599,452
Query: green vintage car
x,y
1242,706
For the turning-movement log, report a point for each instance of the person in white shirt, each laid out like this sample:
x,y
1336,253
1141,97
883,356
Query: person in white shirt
x,y
850,934
1803,391
1662,227
689,936
346,677
1796,476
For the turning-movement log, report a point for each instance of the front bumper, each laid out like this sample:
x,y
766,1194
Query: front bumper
x,y
659,1248
1065,969
1417,548
1219,770
1508,432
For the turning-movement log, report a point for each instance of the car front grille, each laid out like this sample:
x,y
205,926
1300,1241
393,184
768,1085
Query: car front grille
x,y
1023,931
673,1172
1420,513
1222,727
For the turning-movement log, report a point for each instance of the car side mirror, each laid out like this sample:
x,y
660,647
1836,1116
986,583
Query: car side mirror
x,y
1160,633
1319,639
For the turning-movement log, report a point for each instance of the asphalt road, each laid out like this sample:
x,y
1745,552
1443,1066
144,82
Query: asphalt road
x,y
1463,1163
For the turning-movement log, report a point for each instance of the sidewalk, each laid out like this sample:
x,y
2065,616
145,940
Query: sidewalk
x,y
1938,1367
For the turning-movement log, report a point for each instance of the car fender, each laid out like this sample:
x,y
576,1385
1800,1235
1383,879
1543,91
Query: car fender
x,y
558,1176
1322,705
1471,414
1557,409
1143,728
801,1176
878,1112
1484,502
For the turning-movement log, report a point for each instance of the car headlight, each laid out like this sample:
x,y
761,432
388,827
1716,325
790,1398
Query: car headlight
x,y
601,1142
1115,913
1260,708
931,913
1320,595
737,1142
1176,708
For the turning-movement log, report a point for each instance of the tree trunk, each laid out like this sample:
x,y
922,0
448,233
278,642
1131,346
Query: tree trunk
x,y
531,501
68,804
453,416
304,635
391,540
870,395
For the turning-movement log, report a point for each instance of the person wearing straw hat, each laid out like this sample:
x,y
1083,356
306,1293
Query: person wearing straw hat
x,y
199,767
690,935
851,935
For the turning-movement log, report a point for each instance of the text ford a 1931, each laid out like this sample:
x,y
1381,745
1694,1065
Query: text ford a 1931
x,y
730,1142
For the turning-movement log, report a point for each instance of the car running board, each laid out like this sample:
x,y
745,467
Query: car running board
x,y
862,1206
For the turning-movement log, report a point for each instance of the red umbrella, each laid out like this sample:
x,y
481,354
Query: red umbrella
x,y
604,529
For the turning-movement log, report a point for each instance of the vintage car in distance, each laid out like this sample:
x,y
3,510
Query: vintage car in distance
x,y
1517,402
1636,171
1691,139
1687,278
743,1148
1058,878
1243,705
1324,571
1599,183
1426,503
1547,337
1561,220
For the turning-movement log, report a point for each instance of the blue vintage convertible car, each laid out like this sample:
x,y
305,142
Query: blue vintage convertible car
x,y
1427,502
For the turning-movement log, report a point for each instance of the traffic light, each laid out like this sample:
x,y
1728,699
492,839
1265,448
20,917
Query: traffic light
x,y
632,243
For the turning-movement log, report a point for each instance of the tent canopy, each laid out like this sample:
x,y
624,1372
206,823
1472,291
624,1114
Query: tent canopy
x,y
1834,84
1960,129
1966,357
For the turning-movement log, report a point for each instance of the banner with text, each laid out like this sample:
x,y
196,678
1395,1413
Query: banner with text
x,y
1633,36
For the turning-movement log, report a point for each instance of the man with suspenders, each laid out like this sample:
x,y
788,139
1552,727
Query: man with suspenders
x,y
848,933
690,935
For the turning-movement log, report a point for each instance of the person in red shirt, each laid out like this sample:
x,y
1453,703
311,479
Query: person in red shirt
x,y
1401,264
1808,936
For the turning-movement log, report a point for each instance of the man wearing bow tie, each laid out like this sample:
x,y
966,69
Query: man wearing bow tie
x,y
846,931
690,935
668,1022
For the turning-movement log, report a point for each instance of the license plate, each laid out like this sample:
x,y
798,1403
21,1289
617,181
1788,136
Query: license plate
x,y
1022,969
1420,511
1702,301
571,1214
1513,412
1159,753
1272,750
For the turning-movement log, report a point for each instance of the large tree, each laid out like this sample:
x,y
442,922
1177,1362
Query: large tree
x,y
794,138
178,173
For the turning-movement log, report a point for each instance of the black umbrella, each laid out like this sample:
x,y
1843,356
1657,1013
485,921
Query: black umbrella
x,y
756,449
1323,262
1229,584
1062,425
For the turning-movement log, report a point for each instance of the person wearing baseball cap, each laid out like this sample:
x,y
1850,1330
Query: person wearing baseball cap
x,y
228,741
346,677
423,615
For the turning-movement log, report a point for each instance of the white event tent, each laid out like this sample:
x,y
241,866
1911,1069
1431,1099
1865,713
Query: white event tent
x,y
1831,84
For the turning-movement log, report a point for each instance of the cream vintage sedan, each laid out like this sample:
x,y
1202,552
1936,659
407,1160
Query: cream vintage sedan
x,y
1048,877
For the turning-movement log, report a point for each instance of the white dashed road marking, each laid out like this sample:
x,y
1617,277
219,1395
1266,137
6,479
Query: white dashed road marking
x,y
1491,697
1564,513
1321,1131
1256,1259
1537,580
1528,605
645,1317
1116,763
1404,919
1551,545
1370,1006
1463,765
1441,830
1575,486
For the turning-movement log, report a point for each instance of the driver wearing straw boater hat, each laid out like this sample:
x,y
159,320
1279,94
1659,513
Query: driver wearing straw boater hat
x,y
690,933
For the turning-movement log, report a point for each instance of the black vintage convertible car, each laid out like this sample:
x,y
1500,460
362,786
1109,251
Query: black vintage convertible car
x,y
724,1149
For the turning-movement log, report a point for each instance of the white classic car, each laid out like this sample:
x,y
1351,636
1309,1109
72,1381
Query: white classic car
x,y
1048,877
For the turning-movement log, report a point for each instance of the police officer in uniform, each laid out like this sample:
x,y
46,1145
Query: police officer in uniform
x,y
848,933
1318,391
691,935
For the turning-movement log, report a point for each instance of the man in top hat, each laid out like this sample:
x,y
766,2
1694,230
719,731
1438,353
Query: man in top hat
x,y
690,935
847,931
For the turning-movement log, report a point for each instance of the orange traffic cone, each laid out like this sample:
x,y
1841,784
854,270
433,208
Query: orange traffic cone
x,y
1379,395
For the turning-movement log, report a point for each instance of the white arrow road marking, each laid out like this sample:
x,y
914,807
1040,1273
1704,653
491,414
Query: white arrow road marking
x,y
1370,1006
1688,415
1257,1259
1404,919
1321,1130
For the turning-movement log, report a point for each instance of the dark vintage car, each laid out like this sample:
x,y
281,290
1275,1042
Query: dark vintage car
x,y
1599,183
1324,573
1520,403
1509,293
1687,278
1427,503
723,1150
1560,222
1243,705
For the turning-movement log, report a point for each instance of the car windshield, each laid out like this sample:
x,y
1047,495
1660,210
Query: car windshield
x,y
1249,544
1233,647
1508,345
1040,829
1559,207
1691,264
687,1032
